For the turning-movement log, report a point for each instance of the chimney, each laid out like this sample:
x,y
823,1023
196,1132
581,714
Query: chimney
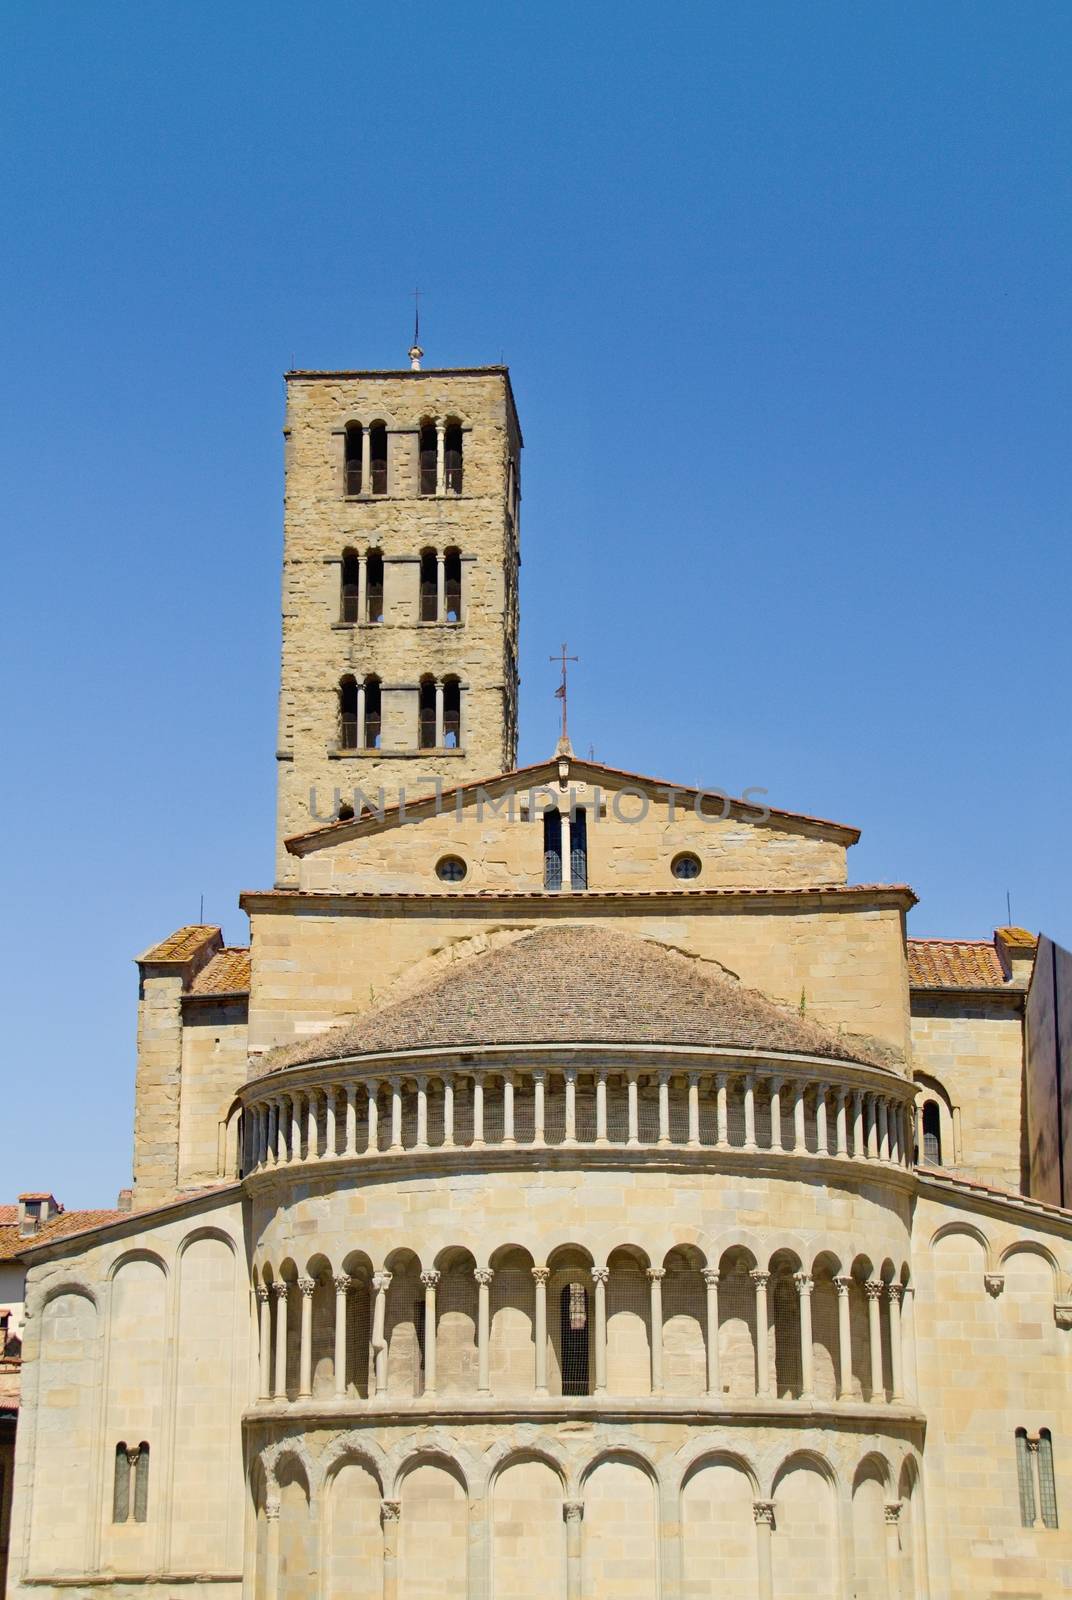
x,y
34,1211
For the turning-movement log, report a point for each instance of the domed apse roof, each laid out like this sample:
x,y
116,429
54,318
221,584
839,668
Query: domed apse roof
x,y
576,985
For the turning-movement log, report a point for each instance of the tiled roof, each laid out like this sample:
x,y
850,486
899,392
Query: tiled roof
x,y
59,1227
954,964
8,1215
581,985
181,945
226,973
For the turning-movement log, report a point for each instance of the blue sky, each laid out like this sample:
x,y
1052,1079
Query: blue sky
x,y
784,290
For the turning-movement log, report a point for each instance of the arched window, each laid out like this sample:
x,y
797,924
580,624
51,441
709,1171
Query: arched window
x,y
141,1483
351,590
428,455
453,566
429,611
452,444
579,850
1025,1478
426,717
371,732
1047,1487
452,714
378,457
573,1312
355,441
121,1484
552,850
374,586
347,714
932,1134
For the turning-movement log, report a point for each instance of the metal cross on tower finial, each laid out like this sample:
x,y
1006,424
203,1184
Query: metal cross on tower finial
x,y
415,352
561,692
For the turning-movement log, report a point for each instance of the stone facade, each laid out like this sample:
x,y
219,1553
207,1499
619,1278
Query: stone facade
x,y
465,1260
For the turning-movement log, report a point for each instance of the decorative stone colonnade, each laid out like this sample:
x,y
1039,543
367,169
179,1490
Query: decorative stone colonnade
x,y
782,1107
732,1333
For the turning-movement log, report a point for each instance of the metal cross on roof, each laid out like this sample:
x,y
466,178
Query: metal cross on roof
x,y
561,692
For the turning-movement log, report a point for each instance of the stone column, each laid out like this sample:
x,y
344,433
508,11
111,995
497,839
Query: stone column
x,y
749,1111
714,1381
265,1352
295,1128
305,1374
694,1110
601,1106
422,1111
776,1114
664,1107
822,1137
896,1294
763,1511
362,584
843,1286
892,1511
430,1281
870,1111
478,1109
842,1124
760,1279
858,1151
599,1278
271,1555
483,1276
567,849
655,1278
571,1105
390,1511
342,1288
279,1387
373,1117
634,1118
805,1284
448,1113
883,1131
396,1113
441,456
800,1143
538,1080
272,1125
351,1119
874,1289
440,734
540,1276
329,1121
312,1131
366,461
722,1111
573,1511
441,586
508,1108
362,736
381,1282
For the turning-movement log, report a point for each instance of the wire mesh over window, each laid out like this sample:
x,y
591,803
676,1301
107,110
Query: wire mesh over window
x,y
374,586
378,455
452,443
141,1484
932,1134
1025,1478
735,1113
1047,1488
648,1112
785,1305
573,1303
428,458
121,1484
554,1110
350,587
463,1111
617,1109
494,1110
579,850
525,1111
552,850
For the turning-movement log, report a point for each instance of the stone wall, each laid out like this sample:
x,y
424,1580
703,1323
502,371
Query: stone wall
x,y
972,1049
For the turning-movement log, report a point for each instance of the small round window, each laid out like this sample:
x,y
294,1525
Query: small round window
x,y
451,869
685,865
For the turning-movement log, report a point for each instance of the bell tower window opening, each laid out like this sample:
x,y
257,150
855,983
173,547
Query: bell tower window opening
x,y
579,850
428,458
552,850
932,1134
348,713
429,610
452,443
370,733
355,446
351,587
453,585
452,714
573,1328
374,587
378,457
426,714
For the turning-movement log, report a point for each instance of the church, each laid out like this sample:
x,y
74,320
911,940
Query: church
x,y
578,1189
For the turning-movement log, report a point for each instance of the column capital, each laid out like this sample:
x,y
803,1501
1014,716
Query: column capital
x,y
307,1285
804,1281
656,1274
842,1285
874,1288
430,1279
763,1512
573,1510
760,1278
541,1274
390,1510
261,1291
483,1276
896,1292
342,1282
710,1276
600,1274
271,1510
279,1289
381,1280
892,1512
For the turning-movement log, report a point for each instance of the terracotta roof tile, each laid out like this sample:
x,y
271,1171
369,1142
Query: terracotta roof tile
x,y
181,945
226,973
581,985
8,1215
60,1227
954,964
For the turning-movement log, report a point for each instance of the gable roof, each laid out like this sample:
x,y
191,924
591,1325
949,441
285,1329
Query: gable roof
x,y
58,1227
226,973
954,964
574,984
532,777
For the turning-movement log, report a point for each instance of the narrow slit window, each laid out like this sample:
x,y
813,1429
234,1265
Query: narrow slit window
x,y
429,586
141,1483
579,850
378,457
932,1134
453,565
452,714
573,1310
426,730
373,714
355,438
374,587
552,850
351,587
121,1484
1047,1487
1025,1480
348,714
428,455
452,445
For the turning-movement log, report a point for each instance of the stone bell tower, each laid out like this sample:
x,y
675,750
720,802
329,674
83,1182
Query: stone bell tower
x,y
400,587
